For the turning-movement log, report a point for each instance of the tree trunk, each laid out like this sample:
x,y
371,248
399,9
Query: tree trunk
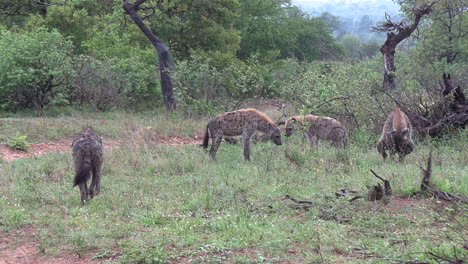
x,y
164,55
389,66
388,48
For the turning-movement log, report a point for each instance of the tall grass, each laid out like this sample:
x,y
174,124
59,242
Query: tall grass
x,y
169,204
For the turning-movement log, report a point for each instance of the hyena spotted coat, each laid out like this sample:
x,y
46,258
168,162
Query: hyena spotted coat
x,y
87,156
318,128
241,122
396,135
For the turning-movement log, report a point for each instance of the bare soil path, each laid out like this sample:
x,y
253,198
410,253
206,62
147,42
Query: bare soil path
x,y
64,145
21,247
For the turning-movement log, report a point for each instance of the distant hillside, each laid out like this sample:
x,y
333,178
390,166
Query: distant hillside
x,y
353,9
357,16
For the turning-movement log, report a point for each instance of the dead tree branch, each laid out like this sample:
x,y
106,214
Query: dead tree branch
x,y
396,32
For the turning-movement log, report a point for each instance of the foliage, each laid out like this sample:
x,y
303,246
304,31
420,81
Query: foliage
x,y
277,29
15,12
116,82
188,25
200,86
36,69
67,18
18,142
444,35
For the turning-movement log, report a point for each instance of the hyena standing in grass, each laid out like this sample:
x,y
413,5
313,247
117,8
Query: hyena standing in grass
x,y
241,122
318,128
396,135
87,156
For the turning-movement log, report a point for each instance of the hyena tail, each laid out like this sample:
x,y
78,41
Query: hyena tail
x,y
83,174
206,138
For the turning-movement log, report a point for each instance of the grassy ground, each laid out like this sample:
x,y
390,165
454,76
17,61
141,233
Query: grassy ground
x,y
171,204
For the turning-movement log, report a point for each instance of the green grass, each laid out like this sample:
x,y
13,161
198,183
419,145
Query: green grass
x,y
114,125
161,204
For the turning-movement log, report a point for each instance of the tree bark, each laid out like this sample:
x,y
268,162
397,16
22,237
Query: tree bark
x,y
164,55
393,39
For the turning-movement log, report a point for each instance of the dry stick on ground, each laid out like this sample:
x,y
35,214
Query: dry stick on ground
x,y
300,204
287,196
376,192
388,189
426,185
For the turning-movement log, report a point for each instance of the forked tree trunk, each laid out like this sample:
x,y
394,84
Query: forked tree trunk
x,y
164,55
388,48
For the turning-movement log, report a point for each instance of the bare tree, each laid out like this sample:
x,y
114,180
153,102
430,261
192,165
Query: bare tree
x,y
396,32
164,55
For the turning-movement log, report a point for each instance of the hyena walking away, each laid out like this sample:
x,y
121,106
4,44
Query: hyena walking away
x,y
87,156
319,128
241,122
396,135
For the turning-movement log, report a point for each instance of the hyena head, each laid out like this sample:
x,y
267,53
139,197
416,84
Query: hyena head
x,y
274,133
399,132
290,126
401,140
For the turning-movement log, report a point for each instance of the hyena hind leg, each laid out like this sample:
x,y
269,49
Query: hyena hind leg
x,y
246,135
313,139
95,187
84,192
217,138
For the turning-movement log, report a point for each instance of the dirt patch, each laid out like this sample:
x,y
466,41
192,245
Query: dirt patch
x,y
174,141
39,149
35,150
22,247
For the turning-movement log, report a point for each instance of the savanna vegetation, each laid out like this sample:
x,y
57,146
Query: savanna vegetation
x,y
65,65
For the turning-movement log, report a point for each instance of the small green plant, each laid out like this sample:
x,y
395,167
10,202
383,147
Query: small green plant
x,y
18,142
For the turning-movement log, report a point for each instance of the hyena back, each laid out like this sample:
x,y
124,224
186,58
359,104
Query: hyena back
x,y
241,122
396,135
319,128
87,156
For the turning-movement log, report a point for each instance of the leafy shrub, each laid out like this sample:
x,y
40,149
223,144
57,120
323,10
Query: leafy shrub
x,y
199,85
116,82
18,142
36,68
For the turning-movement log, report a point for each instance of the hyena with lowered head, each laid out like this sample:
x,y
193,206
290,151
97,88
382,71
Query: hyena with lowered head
x,y
319,127
396,135
87,156
241,122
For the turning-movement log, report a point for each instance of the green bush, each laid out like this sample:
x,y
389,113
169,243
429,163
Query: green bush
x,y
200,86
18,142
116,83
36,69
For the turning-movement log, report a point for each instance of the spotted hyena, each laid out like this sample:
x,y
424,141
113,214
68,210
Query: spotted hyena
x,y
87,156
318,128
396,135
241,122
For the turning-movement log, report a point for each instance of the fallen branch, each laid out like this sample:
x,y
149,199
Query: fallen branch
x,y
332,216
433,192
287,196
387,188
426,173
